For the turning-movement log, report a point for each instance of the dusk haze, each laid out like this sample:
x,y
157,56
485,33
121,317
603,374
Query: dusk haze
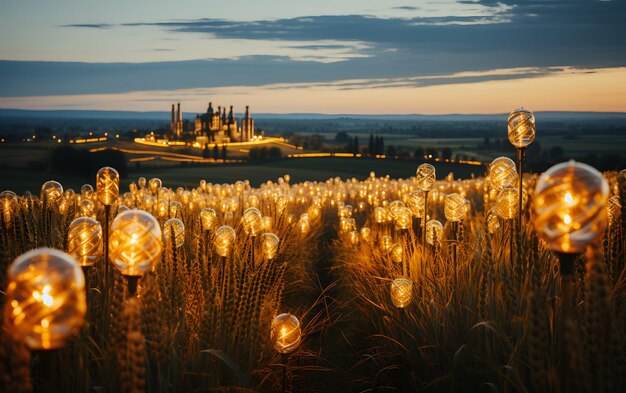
x,y
283,196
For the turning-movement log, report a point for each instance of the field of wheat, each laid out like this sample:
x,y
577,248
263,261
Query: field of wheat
x,y
344,285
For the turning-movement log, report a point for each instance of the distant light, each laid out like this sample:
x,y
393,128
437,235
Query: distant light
x,y
106,134
117,135
58,140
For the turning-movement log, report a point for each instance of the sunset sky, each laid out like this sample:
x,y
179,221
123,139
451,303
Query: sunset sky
x,y
349,56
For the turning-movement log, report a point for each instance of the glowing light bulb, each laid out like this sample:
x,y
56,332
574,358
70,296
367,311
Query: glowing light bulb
x,y
569,206
224,240
45,298
286,333
135,242
108,185
84,240
401,292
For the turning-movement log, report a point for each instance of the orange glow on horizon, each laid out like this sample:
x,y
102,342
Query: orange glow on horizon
x,y
601,90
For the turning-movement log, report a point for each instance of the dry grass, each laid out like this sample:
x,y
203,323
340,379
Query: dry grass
x,y
487,320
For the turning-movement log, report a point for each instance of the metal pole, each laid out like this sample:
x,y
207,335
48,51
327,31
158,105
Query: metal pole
x,y
521,152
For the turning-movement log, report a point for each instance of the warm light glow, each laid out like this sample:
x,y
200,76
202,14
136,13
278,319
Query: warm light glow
x,y
224,240
570,206
84,241
269,244
45,298
135,242
252,220
401,292
108,185
208,218
434,231
178,228
502,173
454,207
286,333
425,177
521,127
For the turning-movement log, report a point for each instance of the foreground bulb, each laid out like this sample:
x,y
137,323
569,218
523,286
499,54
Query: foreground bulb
x,y
286,333
108,185
224,240
415,202
434,231
425,177
8,202
401,292
154,185
51,191
502,173
403,218
570,206
454,207
45,298
135,242
84,240
507,204
381,215
269,244
177,226
208,219
521,126
252,221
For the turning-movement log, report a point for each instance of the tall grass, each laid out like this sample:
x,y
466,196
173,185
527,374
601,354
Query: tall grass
x,y
485,313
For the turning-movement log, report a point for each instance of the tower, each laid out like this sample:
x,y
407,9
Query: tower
x,y
247,126
172,122
179,122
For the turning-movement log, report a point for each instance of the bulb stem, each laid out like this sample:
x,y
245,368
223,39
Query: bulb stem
x,y
105,289
567,263
132,285
454,257
47,382
521,153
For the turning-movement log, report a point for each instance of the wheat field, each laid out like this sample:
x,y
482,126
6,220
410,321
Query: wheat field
x,y
480,305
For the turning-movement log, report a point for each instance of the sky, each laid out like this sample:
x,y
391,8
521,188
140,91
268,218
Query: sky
x,y
325,56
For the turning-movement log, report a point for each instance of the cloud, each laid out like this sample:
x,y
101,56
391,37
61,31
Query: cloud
x,y
91,25
532,34
406,8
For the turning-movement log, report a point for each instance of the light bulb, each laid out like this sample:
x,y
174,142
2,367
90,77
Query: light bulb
x,y
286,333
401,292
569,206
45,298
135,242
84,240
108,185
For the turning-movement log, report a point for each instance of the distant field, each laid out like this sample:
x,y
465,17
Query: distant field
x,y
300,169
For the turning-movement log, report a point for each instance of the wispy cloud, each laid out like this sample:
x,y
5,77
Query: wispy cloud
x,y
91,25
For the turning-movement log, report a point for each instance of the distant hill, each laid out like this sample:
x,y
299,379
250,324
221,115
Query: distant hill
x,y
164,116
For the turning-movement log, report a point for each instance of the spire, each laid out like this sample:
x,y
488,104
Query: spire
x,y
178,114
172,119
210,109
247,112
231,117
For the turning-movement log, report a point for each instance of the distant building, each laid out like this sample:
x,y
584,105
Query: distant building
x,y
214,126
176,123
